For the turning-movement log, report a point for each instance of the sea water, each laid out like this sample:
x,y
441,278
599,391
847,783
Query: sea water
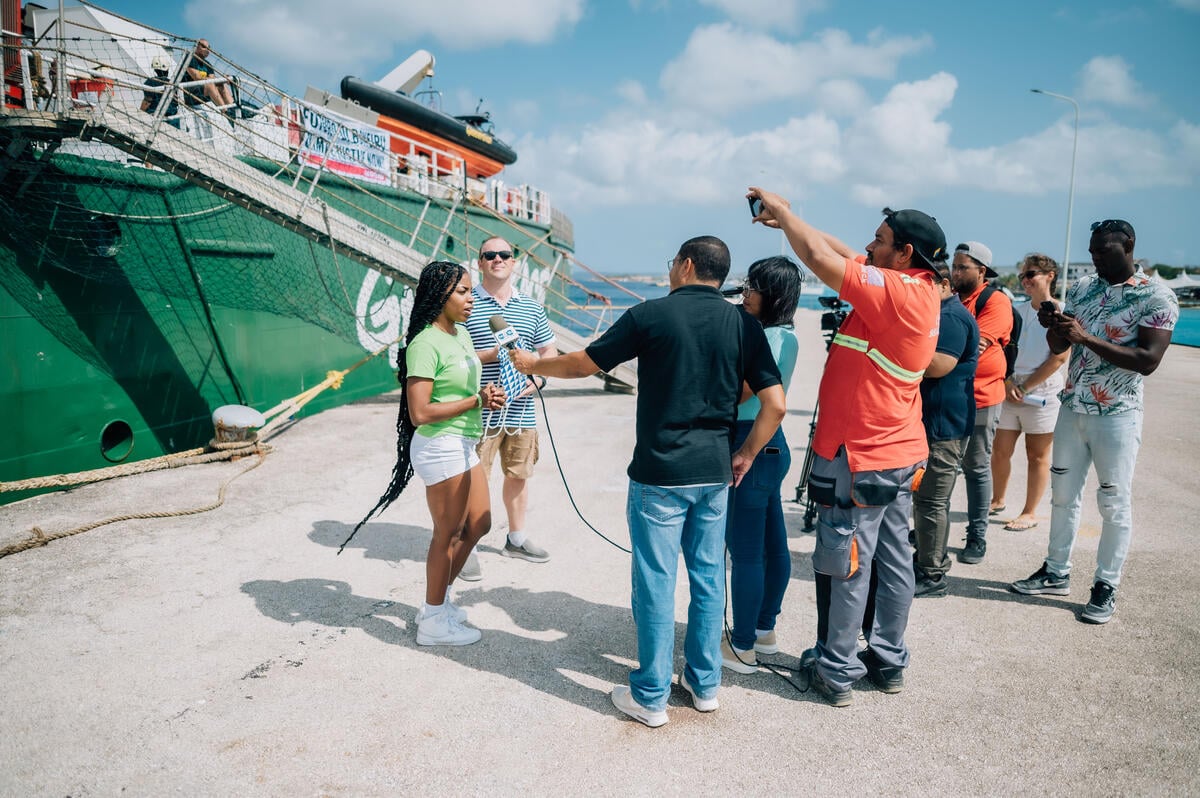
x,y
1187,331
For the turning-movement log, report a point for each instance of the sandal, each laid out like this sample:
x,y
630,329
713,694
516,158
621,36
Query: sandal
x,y
1020,525
996,510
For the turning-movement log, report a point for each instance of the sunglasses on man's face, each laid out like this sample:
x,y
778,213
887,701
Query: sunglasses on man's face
x,y
503,254
1113,226
1029,275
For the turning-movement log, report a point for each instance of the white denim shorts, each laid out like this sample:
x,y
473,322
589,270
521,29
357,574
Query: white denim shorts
x,y
438,458
1029,419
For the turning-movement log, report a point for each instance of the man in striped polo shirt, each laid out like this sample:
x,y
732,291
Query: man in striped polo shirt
x,y
512,430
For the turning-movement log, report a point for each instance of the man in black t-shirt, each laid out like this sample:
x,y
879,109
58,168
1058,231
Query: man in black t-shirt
x,y
198,68
694,351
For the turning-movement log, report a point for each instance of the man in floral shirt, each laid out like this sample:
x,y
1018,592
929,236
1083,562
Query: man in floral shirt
x,y
1118,325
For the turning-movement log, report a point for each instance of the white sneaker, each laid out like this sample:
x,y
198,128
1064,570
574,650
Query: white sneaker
x,y
701,704
623,700
456,612
443,630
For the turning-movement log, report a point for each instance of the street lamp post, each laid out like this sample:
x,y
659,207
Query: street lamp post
x,y
1066,267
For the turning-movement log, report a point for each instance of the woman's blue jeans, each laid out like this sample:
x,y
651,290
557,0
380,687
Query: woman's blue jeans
x,y
757,540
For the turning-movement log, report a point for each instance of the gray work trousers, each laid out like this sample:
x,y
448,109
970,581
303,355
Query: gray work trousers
x,y
977,470
880,532
931,506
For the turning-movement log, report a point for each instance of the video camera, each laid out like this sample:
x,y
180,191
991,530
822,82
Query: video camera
x,y
831,320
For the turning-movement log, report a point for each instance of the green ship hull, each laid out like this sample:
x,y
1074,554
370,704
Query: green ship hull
x,y
133,303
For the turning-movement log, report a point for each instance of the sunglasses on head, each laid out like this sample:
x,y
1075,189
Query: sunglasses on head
x,y
502,254
1113,226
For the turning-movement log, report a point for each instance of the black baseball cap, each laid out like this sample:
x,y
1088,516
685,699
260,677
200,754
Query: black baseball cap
x,y
922,231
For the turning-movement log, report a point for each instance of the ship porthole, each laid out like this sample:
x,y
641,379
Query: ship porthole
x,y
116,441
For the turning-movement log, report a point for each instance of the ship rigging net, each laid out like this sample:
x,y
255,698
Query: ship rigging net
x,y
132,189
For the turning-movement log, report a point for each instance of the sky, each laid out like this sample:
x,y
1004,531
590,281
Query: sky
x,y
646,120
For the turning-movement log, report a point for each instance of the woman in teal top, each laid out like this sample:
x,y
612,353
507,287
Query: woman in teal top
x,y
437,430
756,535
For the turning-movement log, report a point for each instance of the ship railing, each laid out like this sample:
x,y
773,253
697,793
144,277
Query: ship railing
x,y
104,74
103,67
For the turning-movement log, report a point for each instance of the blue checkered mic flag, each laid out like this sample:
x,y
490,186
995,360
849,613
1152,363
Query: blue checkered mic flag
x,y
511,380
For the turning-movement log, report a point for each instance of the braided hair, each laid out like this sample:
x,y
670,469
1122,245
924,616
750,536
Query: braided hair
x,y
437,282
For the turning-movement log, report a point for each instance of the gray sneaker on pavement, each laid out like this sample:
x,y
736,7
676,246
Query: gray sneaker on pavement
x,y
1043,583
836,697
526,551
471,572
1102,604
973,552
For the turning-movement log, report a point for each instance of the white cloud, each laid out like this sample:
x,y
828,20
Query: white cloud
x,y
1107,79
897,151
725,68
1188,5
632,92
842,97
310,37
785,15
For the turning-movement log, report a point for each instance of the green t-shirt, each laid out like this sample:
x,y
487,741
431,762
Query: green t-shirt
x,y
450,361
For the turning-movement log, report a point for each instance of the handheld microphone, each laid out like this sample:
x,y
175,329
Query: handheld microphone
x,y
512,381
728,292
504,333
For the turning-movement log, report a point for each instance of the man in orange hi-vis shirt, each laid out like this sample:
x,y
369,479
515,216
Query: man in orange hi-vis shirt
x,y
992,310
869,445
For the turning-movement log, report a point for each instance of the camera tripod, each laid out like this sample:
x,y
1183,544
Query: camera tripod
x,y
831,321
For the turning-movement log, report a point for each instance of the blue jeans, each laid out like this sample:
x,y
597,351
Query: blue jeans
x,y
1110,443
757,540
662,522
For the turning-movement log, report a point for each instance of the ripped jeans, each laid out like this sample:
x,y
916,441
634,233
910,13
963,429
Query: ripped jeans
x,y
1110,444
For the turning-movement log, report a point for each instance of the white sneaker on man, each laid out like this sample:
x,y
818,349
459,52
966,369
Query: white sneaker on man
x,y
623,700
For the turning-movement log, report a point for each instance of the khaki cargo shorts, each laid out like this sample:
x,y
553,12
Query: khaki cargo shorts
x,y
518,451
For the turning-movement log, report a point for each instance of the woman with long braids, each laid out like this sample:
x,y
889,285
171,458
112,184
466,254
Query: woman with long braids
x,y
756,535
437,429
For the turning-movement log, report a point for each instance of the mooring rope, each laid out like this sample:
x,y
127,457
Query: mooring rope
x,y
38,538
215,451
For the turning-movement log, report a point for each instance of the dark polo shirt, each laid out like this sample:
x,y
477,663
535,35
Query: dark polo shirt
x,y
948,403
694,350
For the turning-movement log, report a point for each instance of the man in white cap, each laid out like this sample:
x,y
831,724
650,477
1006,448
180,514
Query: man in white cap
x,y
992,309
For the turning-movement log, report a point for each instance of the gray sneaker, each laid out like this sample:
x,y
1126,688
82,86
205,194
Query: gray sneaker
x,y
471,572
836,697
973,552
1043,583
1102,604
526,551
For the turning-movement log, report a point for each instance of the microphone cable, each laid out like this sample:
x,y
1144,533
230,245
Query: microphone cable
x,y
778,670
563,476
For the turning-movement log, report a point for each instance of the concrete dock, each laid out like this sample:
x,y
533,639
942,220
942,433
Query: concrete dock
x,y
232,653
